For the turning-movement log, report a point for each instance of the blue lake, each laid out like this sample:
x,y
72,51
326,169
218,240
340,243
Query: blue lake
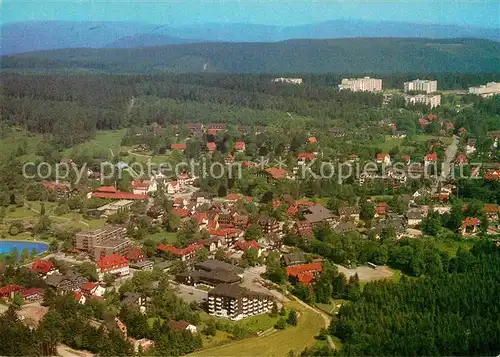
x,y
7,246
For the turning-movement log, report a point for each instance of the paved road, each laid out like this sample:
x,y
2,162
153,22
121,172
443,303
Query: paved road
x,y
189,293
450,153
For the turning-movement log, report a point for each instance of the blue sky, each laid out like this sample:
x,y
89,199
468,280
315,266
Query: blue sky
x,y
482,13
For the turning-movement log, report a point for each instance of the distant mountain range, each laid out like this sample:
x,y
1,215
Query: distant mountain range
x,y
354,55
36,36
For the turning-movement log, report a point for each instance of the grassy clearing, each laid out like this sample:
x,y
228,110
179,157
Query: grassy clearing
x,y
220,338
255,324
105,143
152,320
451,246
294,338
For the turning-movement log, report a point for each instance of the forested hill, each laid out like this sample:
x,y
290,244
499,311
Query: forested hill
x,y
359,55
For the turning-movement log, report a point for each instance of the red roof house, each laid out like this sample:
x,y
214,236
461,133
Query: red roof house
x,y
381,209
461,159
183,253
136,255
239,146
113,264
211,146
8,291
305,156
112,193
245,245
180,147
276,173
431,157
312,140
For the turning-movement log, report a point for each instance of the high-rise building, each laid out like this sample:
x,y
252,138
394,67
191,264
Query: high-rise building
x,y
365,84
424,85
488,90
427,99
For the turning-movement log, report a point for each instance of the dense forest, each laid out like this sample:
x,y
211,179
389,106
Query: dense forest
x,y
72,108
375,55
448,314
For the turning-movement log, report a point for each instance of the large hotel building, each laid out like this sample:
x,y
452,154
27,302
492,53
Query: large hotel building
x,y
427,86
365,84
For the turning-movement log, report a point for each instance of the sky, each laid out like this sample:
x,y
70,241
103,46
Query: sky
x,y
479,13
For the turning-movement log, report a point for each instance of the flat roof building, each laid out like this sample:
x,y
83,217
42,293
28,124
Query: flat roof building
x,y
488,90
432,100
365,84
424,85
101,242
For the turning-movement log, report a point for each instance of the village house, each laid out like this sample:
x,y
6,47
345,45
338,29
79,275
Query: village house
x,y
173,187
470,148
244,245
276,173
182,326
114,264
491,212
430,158
383,159
295,258
70,281
80,298
231,235
211,146
144,187
110,192
349,213
43,267
8,291
91,289
304,229
239,146
59,189
182,253
194,128
178,147
304,273
470,225
269,225
381,210
304,157
32,295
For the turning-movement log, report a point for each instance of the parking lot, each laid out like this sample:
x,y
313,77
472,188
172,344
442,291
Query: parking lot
x,y
365,273
190,293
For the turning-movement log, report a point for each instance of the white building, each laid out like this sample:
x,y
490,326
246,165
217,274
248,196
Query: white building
x,y
488,90
427,86
365,84
288,80
427,99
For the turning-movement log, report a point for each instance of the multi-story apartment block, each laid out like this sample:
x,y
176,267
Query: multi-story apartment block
x,y
427,99
236,302
488,90
113,264
101,242
424,85
365,84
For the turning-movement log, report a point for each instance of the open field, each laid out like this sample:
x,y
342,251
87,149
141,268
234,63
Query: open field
x,y
158,237
279,343
451,246
255,324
